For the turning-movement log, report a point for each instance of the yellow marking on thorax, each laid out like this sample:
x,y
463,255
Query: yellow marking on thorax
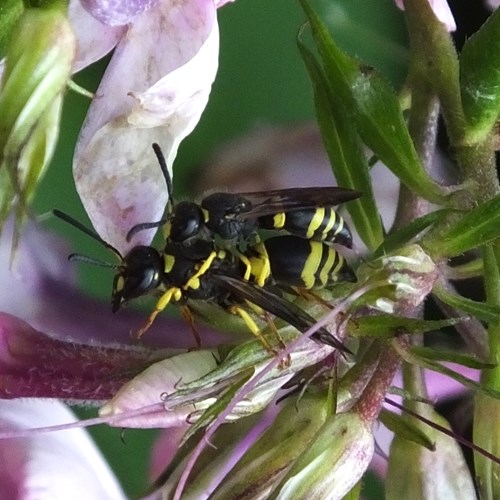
x,y
206,214
279,220
120,283
316,221
168,262
311,264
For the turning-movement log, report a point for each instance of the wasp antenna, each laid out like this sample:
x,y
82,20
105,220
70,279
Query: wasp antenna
x,y
76,257
141,227
84,229
164,169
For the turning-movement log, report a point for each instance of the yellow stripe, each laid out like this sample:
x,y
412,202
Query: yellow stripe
x,y
316,221
206,215
325,272
279,220
168,262
331,223
311,264
340,226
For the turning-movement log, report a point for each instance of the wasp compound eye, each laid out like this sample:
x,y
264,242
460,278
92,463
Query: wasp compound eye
x,y
186,222
140,273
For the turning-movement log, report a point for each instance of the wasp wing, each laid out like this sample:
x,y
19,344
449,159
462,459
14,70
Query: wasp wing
x,y
289,200
278,306
258,204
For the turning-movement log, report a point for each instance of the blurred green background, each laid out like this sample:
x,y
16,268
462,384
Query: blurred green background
x,y
261,80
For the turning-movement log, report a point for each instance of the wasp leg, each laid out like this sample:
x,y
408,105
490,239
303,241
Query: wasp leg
x,y
162,303
189,318
285,362
308,294
193,282
252,326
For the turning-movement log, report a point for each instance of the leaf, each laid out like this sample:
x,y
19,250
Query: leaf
x,y
386,325
480,79
404,427
10,12
477,227
481,310
346,154
407,233
409,357
372,104
452,357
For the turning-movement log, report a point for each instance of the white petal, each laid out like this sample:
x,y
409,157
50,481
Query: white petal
x,y
159,379
52,466
94,39
154,90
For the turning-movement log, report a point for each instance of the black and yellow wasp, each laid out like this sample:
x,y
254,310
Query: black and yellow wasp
x,y
213,253
181,280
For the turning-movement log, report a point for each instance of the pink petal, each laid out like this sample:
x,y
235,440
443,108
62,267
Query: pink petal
x,y
167,61
35,365
94,39
52,466
152,384
117,12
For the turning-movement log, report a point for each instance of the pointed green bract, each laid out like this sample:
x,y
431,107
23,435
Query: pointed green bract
x,y
480,79
372,104
405,427
387,326
481,310
477,227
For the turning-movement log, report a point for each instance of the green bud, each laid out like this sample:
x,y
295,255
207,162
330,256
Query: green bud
x,y
333,462
416,472
37,68
288,437
405,279
486,424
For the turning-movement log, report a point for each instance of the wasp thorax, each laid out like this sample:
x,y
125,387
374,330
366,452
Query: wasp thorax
x,y
139,273
186,221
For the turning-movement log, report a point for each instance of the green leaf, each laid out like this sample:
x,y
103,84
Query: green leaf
x,y
387,325
451,356
477,227
346,154
407,233
406,428
409,357
480,79
481,310
372,104
10,12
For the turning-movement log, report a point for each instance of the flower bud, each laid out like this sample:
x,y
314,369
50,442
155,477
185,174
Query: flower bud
x,y
37,69
409,278
333,463
416,472
486,424
289,436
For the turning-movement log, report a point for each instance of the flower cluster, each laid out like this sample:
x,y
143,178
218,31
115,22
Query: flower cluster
x,y
290,416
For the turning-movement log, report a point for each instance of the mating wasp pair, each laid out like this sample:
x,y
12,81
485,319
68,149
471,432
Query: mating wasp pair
x,y
213,252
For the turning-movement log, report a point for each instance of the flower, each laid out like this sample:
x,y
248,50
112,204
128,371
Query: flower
x,y
173,49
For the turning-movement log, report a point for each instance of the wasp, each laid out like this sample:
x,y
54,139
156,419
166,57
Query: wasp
x,y
234,219
177,279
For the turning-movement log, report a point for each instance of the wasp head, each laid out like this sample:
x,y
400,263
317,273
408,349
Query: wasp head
x,y
139,273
